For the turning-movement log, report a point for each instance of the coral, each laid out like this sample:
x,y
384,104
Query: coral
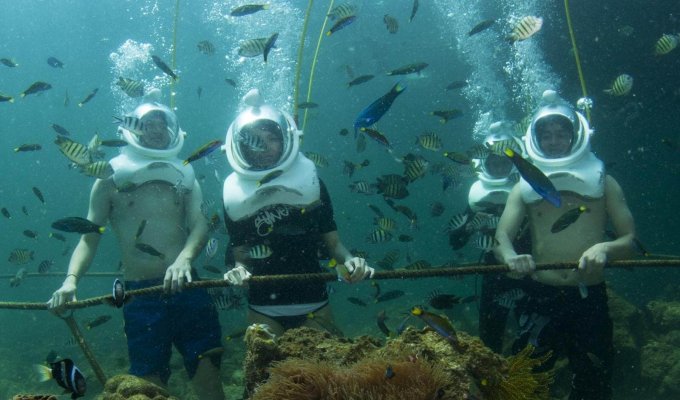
x,y
309,364
367,379
134,388
263,352
520,381
665,315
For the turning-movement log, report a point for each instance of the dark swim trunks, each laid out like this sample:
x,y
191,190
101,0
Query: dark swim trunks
x,y
153,323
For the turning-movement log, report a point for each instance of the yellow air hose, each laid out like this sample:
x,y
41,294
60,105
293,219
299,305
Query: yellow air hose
x,y
576,57
174,55
316,54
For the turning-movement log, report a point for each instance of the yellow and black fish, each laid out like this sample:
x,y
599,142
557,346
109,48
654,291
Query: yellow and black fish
x,y
429,141
318,160
270,177
20,256
74,151
341,11
131,87
36,87
260,251
391,23
666,44
255,47
206,47
97,169
525,28
95,322
77,225
622,85
379,236
568,218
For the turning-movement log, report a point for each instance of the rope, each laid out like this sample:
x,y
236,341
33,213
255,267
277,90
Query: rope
x,y
576,56
298,69
61,275
75,330
436,271
174,55
316,54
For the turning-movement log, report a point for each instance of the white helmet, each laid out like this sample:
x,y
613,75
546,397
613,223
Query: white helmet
x,y
495,169
555,110
149,142
245,148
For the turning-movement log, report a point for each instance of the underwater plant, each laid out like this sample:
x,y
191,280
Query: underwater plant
x,y
521,382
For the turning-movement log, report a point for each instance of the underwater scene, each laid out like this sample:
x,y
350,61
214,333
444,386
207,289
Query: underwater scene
x,y
398,103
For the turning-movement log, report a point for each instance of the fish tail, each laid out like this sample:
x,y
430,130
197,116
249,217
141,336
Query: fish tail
x,y
43,371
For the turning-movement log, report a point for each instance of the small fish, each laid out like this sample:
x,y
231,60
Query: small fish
x,y
341,23
269,177
164,67
382,317
525,28
568,218
622,85
318,160
131,87
379,236
260,252
447,115
361,143
150,250
30,234
344,132
414,10
16,280
405,238
255,47
199,91
666,44
376,136
36,87
408,69
230,82
481,27
38,194
77,225
100,320
359,80
55,63
376,110
206,47
6,98
389,372
61,130
57,236
537,179
5,213
418,265
203,151
130,123
456,85
211,247
429,141
66,374
45,266
438,323
74,151
485,242
307,104
20,256
118,294
140,229
390,295
67,99
357,301
27,147
509,298
391,24
8,62
442,301
248,9
437,209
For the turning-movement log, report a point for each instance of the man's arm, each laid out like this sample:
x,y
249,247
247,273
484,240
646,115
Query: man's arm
x,y
622,219
98,212
508,226
351,269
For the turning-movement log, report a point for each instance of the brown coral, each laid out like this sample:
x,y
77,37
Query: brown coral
x,y
131,387
306,380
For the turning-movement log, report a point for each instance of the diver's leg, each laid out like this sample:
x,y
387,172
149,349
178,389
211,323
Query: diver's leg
x,y
323,319
207,383
255,317
492,316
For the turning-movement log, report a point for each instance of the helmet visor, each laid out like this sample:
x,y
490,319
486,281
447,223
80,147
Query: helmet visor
x,y
553,136
261,145
159,130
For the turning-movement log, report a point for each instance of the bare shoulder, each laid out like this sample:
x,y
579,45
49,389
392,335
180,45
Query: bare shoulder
x,y
612,187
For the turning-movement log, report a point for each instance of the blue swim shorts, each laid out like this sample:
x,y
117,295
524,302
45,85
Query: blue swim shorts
x,y
153,323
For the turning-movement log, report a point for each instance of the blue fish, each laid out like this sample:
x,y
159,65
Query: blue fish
x,y
372,114
536,178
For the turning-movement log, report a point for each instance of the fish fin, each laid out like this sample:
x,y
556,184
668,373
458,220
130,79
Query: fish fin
x,y
44,372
